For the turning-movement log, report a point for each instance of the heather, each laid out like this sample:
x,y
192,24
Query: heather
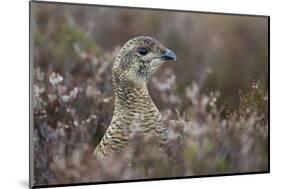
x,y
214,99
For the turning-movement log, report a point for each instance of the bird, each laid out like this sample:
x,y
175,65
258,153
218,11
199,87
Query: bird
x,y
135,63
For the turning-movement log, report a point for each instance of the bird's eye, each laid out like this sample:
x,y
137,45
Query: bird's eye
x,y
142,51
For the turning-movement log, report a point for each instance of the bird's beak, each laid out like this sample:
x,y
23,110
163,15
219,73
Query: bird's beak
x,y
169,55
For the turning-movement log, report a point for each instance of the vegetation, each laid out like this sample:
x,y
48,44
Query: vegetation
x,y
218,132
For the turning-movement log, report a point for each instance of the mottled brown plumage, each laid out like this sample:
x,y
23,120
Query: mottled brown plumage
x,y
137,60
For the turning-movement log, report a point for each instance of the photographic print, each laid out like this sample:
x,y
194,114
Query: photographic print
x,y
120,94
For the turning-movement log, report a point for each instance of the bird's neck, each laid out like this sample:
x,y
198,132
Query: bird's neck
x,y
130,96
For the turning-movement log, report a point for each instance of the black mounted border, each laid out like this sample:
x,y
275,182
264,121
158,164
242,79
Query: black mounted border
x,y
31,155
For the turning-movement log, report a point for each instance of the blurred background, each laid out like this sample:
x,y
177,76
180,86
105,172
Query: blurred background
x,y
222,56
221,52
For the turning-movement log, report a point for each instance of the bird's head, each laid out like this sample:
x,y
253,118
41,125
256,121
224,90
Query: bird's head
x,y
139,58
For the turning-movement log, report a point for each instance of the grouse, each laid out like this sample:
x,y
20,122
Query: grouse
x,y
137,60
